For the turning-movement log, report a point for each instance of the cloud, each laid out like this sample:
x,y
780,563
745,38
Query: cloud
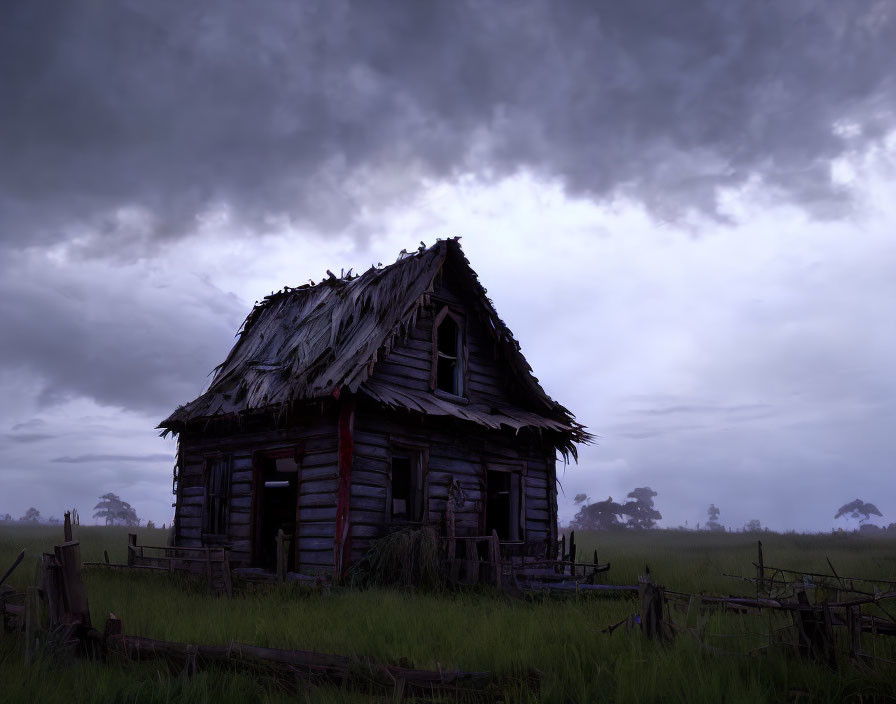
x,y
134,336
84,459
133,123
29,437
29,424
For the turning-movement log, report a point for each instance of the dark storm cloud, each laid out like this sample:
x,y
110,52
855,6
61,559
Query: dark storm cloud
x,y
82,459
313,111
129,336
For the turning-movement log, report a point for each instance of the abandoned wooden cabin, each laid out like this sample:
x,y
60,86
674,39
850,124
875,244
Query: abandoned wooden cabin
x,y
364,403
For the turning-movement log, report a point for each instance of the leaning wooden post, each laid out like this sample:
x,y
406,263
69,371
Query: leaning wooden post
x,y
472,568
761,568
225,566
496,558
67,527
572,553
132,548
281,566
854,626
452,541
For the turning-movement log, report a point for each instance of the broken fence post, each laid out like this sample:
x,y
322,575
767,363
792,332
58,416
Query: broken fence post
x,y
761,568
452,543
496,558
854,626
67,527
73,590
281,566
132,548
652,602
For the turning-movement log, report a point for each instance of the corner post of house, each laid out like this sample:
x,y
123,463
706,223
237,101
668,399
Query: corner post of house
x,y
341,542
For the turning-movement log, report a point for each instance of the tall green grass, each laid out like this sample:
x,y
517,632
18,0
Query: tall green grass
x,y
470,630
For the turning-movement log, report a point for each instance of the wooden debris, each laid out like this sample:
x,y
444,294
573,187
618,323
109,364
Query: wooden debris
x,y
12,567
317,668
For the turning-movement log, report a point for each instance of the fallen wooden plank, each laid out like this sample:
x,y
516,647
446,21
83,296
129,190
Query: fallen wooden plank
x,y
336,669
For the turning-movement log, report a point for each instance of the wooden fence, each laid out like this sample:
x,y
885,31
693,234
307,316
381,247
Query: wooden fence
x,y
212,563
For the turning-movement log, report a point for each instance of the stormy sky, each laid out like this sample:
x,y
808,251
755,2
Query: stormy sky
x,y
684,211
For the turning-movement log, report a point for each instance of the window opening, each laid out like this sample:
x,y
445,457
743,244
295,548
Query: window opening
x,y
407,487
217,491
449,347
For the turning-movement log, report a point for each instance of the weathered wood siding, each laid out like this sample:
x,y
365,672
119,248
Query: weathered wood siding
x,y
317,488
456,451
409,365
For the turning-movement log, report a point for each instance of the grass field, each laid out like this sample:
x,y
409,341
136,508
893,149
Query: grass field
x,y
474,630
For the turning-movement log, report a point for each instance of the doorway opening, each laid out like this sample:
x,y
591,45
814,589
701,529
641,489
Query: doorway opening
x,y
276,506
502,505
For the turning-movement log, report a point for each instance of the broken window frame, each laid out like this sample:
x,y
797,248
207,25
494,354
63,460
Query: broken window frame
x,y
216,514
419,455
518,472
460,358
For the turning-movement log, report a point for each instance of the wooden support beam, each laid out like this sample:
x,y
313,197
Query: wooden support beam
x,y
67,527
346,427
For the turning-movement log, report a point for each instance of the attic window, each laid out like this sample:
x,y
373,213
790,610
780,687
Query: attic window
x,y
448,353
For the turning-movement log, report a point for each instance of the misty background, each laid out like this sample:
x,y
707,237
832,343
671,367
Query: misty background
x,y
685,214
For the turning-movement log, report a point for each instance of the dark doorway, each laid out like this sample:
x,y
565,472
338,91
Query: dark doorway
x,y
278,490
502,507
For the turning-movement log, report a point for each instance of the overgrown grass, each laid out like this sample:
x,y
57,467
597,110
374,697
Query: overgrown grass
x,y
473,630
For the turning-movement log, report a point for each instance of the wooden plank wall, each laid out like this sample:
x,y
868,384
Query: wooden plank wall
x,y
409,365
317,489
455,453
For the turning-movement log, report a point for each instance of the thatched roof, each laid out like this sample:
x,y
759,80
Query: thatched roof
x,y
316,341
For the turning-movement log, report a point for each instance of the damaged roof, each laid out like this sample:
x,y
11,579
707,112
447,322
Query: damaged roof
x,y
316,341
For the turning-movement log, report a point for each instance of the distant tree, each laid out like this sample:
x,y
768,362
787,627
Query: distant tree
x,y
579,499
640,510
115,511
858,509
754,526
713,522
150,525
6,518
32,515
53,520
603,515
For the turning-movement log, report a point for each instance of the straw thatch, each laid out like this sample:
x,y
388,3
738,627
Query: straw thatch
x,y
317,341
